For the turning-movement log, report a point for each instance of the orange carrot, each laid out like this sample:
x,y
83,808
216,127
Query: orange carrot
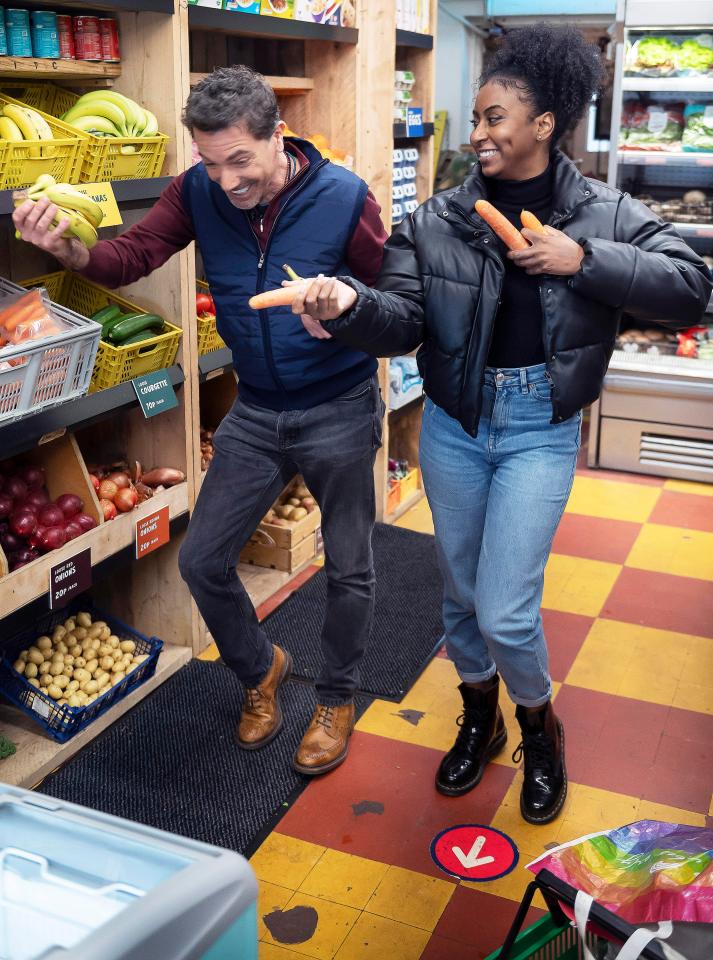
x,y
509,234
530,222
282,297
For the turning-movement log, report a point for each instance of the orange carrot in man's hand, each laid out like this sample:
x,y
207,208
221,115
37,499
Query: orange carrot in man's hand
x,y
282,297
530,222
509,234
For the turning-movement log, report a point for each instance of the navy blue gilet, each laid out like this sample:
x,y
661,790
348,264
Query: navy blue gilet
x,y
279,365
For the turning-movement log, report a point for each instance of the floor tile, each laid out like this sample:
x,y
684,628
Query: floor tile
x,y
565,633
690,486
405,811
376,938
270,897
661,811
685,553
689,510
595,538
270,951
410,897
441,948
480,920
611,499
285,860
333,923
344,879
574,585
211,652
661,600
418,518
637,662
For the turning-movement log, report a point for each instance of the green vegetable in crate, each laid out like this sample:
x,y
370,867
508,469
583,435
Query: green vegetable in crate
x,y
129,326
83,213
139,337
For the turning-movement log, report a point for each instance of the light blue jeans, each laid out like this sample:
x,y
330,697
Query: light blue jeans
x,y
496,502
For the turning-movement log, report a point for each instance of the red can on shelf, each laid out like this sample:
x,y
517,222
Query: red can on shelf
x,y
87,38
109,30
66,37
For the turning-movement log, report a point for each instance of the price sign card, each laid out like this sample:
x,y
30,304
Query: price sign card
x,y
103,194
155,392
152,532
70,578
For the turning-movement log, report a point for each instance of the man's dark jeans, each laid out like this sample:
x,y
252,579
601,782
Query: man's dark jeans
x,y
257,452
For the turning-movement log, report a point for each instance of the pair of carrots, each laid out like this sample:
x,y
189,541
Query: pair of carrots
x,y
510,235
27,319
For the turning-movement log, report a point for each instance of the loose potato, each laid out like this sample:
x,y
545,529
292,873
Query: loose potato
x,y
294,502
19,665
57,634
106,663
34,681
76,650
105,634
68,660
73,685
80,633
23,656
117,677
73,701
95,631
90,687
62,681
102,678
310,504
118,667
56,667
92,665
54,691
44,667
62,702
43,643
299,513
46,679
84,619
300,491
35,656
127,646
113,642
82,676
57,657
104,650
95,643
285,512
31,670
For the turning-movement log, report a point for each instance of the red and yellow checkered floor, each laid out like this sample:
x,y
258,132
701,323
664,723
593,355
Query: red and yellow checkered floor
x,y
629,617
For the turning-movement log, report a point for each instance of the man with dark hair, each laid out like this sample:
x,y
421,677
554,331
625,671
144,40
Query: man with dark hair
x,y
306,403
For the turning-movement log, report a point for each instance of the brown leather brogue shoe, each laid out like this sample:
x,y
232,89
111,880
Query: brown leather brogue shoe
x,y
261,719
326,742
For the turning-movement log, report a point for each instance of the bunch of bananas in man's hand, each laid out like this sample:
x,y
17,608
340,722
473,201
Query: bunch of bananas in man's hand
x,y
19,123
106,113
83,213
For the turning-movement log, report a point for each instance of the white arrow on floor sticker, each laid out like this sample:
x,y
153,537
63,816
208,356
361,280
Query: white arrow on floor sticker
x,y
472,859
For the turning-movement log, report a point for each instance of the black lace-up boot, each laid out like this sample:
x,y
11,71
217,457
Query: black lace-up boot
x,y
545,785
482,736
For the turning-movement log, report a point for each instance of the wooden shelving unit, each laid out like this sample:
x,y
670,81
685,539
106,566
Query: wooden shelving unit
x,y
74,71
333,81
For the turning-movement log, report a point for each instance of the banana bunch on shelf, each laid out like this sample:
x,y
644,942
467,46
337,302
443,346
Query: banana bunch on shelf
x,y
20,123
83,213
106,113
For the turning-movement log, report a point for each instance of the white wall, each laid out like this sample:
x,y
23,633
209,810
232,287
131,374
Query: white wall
x,y
458,65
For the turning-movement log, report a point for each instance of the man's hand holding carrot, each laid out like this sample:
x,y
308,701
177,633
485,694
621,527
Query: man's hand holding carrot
x,y
321,298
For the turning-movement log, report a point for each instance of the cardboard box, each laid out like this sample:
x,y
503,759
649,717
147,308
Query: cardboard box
x,y
278,8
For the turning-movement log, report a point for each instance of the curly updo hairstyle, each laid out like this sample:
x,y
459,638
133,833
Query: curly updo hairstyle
x,y
552,68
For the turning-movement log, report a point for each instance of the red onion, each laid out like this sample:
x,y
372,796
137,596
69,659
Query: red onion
x,y
10,542
70,504
23,523
50,516
24,555
6,505
16,488
53,538
73,529
85,521
34,477
36,539
36,498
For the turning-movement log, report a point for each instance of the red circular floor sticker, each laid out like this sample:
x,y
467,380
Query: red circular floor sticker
x,y
471,851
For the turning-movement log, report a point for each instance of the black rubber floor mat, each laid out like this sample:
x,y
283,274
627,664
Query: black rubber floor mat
x,y
407,628
171,762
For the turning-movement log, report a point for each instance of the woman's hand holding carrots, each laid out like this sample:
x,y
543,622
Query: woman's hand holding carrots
x,y
552,252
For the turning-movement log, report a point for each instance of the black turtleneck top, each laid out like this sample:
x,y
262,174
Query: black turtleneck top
x,y
517,335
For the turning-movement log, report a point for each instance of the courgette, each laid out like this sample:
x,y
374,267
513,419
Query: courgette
x,y
138,337
106,313
128,326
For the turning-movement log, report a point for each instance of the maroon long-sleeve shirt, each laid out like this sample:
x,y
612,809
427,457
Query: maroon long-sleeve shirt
x,y
168,228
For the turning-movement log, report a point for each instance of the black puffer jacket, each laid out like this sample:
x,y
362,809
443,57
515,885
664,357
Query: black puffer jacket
x,y
443,270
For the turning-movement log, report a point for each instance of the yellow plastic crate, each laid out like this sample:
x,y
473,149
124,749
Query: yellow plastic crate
x,y
19,169
114,364
101,157
208,337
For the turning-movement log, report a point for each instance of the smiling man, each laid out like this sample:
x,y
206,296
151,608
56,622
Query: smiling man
x,y
306,403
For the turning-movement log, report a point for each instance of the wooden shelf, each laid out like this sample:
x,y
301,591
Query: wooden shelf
x,y
229,21
214,363
32,582
283,86
659,158
125,191
30,68
26,433
38,755
420,41
401,134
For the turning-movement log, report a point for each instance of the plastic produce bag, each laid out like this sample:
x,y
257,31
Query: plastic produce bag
x,y
27,316
658,126
698,130
645,872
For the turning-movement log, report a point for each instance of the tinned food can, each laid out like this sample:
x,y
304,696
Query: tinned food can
x,y
87,39
45,39
3,35
109,31
66,37
19,41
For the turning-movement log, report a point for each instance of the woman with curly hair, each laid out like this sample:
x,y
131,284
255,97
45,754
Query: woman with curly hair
x,y
512,346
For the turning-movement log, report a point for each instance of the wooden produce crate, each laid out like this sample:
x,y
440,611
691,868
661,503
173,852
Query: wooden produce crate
x,y
285,548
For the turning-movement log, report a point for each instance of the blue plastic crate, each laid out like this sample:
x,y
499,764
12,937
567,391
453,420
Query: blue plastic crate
x,y
61,721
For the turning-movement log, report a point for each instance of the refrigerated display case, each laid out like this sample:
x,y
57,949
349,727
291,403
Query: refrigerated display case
x,y
655,412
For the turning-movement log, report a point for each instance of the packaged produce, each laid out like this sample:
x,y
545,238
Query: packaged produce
x,y
30,522
28,316
694,56
107,113
83,213
278,8
698,128
651,56
656,126
242,6
79,662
